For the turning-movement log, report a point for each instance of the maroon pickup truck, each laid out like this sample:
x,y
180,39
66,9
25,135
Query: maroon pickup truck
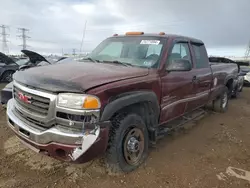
x,y
125,95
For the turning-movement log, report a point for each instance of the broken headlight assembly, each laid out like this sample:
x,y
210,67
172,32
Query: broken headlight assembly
x,y
78,101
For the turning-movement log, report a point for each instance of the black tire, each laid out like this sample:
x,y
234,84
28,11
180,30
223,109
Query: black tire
x,y
235,94
7,76
122,124
221,103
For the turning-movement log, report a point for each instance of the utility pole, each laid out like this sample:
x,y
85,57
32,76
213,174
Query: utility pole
x,y
83,36
24,37
247,53
4,40
74,52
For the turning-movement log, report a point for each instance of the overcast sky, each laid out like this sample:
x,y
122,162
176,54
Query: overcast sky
x,y
224,25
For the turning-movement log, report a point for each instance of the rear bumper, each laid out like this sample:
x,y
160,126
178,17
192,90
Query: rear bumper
x,y
58,142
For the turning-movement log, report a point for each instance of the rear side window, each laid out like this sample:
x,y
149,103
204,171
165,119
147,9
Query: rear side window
x,y
200,56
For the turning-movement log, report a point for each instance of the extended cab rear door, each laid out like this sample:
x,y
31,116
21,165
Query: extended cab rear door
x,y
202,76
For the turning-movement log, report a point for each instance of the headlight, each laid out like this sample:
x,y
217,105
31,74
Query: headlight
x,y
78,101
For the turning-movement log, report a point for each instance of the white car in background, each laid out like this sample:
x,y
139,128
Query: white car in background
x,y
246,71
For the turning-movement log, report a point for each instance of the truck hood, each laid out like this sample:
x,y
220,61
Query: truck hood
x,y
34,57
76,76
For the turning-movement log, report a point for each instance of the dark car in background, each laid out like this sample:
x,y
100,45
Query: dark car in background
x,y
34,61
8,67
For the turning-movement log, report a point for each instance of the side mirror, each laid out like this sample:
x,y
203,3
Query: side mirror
x,y
179,65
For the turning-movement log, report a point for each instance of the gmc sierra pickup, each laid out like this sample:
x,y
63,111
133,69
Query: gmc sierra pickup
x,y
129,92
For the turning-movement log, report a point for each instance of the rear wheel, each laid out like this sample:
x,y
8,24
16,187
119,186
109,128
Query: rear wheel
x,y
221,103
128,144
235,94
240,87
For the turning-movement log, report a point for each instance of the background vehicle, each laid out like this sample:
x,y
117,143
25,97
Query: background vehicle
x,y
34,59
245,71
7,67
6,92
129,92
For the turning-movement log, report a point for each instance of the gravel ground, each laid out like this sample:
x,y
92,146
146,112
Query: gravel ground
x,y
211,152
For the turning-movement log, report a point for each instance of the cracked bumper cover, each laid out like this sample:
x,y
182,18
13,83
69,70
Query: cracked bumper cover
x,y
59,142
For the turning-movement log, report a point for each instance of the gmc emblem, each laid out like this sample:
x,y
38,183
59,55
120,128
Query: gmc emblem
x,y
24,98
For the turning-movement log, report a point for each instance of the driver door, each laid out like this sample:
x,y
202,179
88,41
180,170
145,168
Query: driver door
x,y
177,86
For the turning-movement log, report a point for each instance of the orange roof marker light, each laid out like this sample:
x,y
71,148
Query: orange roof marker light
x,y
134,33
162,33
114,35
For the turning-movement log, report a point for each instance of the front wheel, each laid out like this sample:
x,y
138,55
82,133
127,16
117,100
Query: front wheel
x,y
128,144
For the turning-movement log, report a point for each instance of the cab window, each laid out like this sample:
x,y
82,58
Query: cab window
x,y
179,51
200,56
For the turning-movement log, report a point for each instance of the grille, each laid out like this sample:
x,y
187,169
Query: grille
x,y
36,104
30,121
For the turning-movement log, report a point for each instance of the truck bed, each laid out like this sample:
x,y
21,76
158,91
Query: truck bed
x,y
220,72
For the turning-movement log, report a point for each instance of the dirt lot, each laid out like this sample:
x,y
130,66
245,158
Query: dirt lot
x,y
212,152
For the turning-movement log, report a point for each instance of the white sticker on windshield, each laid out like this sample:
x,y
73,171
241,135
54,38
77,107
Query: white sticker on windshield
x,y
154,42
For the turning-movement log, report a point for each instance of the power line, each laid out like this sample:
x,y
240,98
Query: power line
x,y
5,48
24,37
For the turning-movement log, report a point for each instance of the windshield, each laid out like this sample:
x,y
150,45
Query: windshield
x,y
133,50
22,61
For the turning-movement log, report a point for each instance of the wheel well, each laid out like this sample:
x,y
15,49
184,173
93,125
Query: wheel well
x,y
9,71
229,85
144,110
6,72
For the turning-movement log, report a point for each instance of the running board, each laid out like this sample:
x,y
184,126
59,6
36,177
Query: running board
x,y
178,123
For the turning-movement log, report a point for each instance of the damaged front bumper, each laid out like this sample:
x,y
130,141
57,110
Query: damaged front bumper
x,y
58,141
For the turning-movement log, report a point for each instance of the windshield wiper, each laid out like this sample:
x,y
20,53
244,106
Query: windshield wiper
x,y
121,63
92,60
